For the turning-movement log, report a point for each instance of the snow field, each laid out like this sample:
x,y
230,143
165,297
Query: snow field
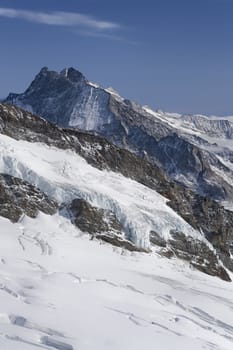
x,y
81,294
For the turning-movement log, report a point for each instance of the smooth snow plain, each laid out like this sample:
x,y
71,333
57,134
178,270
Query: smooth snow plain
x,y
61,290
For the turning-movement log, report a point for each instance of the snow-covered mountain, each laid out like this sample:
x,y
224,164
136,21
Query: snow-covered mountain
x,y
106,191
62,193
196,151
108,220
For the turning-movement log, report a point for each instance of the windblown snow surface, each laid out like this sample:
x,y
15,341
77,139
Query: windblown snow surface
x,y
61,290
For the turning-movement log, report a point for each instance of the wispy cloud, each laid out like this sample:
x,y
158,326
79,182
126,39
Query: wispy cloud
x,y
108,36
98,34
58,18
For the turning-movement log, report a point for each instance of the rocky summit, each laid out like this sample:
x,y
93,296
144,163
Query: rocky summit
x,y
195,151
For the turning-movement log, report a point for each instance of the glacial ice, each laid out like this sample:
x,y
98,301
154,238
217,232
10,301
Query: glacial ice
x,y
64,175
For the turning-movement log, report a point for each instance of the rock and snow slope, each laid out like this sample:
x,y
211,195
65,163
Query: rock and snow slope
x,y
60,290
64,176
63,289
193,150
108,192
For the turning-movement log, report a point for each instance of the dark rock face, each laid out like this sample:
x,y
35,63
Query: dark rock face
x,y
45,89
69,100
18,197
200,212
100,223
182,159
93,220
155,239
194,251
198,254
207,215
63,94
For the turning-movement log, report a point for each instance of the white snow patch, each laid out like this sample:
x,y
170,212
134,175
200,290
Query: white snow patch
x,y
114,93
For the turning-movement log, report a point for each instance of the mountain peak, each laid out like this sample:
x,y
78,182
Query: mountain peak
x,y
43,70
72,74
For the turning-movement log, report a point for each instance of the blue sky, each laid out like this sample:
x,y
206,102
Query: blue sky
x,y
176,55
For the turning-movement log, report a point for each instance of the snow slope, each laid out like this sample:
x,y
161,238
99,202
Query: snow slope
x,y
64,175
59,290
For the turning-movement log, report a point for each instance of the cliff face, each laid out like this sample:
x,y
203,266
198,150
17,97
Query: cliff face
x,y
18,198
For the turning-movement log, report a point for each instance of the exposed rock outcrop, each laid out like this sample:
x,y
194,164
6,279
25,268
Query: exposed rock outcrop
x,y
198,254
101,224
18,197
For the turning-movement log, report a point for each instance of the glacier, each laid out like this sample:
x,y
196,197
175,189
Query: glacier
x,y
61,289
63,175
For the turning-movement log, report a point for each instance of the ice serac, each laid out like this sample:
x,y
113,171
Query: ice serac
x,y
195,151
111,193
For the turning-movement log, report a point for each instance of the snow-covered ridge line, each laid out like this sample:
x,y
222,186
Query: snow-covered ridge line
x,y
196,124
63,176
